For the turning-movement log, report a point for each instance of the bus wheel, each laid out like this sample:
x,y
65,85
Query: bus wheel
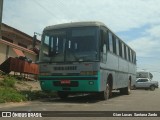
x,y
105,93
134,87
126,90
62,95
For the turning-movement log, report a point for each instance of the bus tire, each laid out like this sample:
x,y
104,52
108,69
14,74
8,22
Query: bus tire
x,y
105,94
134,87
62,95
126,90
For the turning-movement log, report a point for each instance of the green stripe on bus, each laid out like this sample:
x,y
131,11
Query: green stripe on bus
x,y
83,85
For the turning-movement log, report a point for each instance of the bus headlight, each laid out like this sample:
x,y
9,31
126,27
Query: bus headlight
x,y
88,73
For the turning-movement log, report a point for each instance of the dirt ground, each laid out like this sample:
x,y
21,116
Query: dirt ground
x,y
25,84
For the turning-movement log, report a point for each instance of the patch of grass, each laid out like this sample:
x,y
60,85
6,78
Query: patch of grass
x,y
8,94
9,81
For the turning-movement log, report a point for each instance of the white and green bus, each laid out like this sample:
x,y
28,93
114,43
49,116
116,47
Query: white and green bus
x,y
85,57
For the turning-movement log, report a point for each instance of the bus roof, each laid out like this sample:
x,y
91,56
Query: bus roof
x,y
75,24
80,24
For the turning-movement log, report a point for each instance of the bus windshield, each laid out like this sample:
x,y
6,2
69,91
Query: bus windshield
x,y
69,45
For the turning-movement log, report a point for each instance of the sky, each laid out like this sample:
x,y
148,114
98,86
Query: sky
x,y
136,22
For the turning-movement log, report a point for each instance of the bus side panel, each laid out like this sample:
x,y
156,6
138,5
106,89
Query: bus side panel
x,y
123,74
112,66
112,62
109,68
120,70
103,80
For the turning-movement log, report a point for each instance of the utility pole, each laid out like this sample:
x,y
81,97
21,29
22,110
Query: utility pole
x,y
1,11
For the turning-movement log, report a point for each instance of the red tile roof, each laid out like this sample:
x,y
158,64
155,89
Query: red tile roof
x,y
18,52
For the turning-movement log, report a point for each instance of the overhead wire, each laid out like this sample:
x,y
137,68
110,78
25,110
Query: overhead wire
x,y
45,9
68,11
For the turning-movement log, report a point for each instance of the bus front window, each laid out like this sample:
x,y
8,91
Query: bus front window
x,y
53,46
82,45
70,45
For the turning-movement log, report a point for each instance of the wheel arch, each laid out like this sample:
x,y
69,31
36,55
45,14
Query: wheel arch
x,y
110,80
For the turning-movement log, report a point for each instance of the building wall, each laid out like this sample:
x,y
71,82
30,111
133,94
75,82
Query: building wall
x,y
13,38
6,51
2,52
11,53
16,36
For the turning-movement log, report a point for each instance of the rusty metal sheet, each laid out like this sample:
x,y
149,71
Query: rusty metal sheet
x,y
16,65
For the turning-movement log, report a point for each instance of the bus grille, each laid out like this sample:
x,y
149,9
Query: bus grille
x,y
65,68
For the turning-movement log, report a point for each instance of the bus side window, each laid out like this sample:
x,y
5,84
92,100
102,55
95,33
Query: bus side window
x,y
126,53
110,42
120,48
129,55
114,44
134,58
117,46
125,56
